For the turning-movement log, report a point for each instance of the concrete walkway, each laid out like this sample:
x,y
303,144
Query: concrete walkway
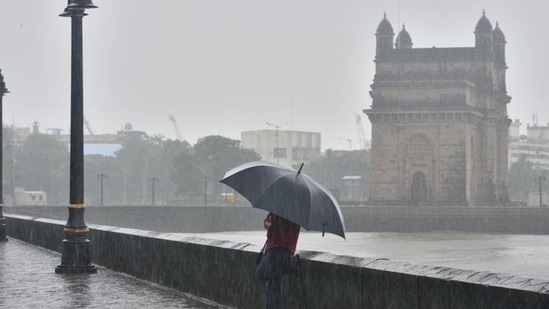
x,y
28,280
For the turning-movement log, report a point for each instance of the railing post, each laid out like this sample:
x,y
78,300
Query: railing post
x,y
3,90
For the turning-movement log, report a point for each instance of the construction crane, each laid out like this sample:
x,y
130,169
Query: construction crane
x,y
176,127
363,142
88,126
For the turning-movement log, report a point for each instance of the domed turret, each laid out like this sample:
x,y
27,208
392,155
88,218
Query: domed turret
x,y
499,45
498,34
483,24
484,41
403,40
384,37
384,26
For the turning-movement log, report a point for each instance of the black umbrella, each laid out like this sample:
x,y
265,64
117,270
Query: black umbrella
x,y
289,194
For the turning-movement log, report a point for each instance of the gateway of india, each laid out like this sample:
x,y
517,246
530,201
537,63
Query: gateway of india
x,y
439,121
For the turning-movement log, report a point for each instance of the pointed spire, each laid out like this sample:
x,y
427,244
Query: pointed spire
x,y
483,24
384,26
403,40
384,36
498,34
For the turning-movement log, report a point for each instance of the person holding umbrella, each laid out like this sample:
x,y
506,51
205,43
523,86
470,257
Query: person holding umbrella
x,y
294,201
279,258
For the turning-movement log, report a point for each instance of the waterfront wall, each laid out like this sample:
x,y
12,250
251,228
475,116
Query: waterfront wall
x,y
223,271
201,219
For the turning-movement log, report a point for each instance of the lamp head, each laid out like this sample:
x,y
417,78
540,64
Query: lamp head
x,y
81,4
3,88
73,6
66,12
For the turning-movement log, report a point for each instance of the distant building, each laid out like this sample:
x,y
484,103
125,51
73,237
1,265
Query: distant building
x,y
106,150
533,146
289,148
352,189
101,144
439,121
30,198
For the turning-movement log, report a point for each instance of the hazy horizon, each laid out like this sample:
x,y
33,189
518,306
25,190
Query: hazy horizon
x,y
223,67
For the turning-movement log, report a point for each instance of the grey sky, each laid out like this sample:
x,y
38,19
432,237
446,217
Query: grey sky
x,y
226,66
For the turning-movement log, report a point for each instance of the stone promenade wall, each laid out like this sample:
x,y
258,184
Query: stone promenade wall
x,y
200,219
224,272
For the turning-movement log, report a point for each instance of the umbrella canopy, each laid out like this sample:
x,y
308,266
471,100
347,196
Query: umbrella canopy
x,y
289,194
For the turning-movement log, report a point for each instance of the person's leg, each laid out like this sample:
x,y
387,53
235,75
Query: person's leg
x,y
295,264
275,263
284,262
266,267
272,293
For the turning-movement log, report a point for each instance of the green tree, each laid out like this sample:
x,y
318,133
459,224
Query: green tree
x,y
10,151
215,155
522,177
59,194
41,157
143,158
186,175
136,158
97,169
170,151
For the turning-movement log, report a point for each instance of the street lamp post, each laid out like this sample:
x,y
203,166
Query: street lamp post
x,y
350,141
76,253
540,178
351,180
205,190
167,193
3,90
101,176
276,152
153,180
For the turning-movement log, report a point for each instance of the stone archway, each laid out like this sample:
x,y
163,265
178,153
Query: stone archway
x,y
419,170
418,189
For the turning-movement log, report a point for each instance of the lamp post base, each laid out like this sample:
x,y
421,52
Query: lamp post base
x,y
75,269
75,258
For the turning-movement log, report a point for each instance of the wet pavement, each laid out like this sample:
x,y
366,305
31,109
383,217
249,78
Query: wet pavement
x,y
28,280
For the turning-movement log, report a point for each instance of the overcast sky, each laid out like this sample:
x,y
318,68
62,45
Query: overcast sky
x,y
226,66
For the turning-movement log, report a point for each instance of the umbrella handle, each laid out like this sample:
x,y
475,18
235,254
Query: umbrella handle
x,y
324,226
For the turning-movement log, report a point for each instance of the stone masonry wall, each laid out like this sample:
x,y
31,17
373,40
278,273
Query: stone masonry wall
x,y
223,271
173,219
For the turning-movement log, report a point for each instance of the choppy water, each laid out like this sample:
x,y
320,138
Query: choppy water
x,y
521,255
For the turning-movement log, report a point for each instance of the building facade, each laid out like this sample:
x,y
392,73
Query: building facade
x,y
285,147
439,121
532,147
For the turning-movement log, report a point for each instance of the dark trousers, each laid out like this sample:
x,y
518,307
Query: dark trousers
x,y
275,263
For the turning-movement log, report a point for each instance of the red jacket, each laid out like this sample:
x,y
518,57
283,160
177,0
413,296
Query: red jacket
x,y
282,233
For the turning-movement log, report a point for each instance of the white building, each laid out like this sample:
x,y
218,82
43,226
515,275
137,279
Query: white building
x,y
534,146
30,198
294,147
